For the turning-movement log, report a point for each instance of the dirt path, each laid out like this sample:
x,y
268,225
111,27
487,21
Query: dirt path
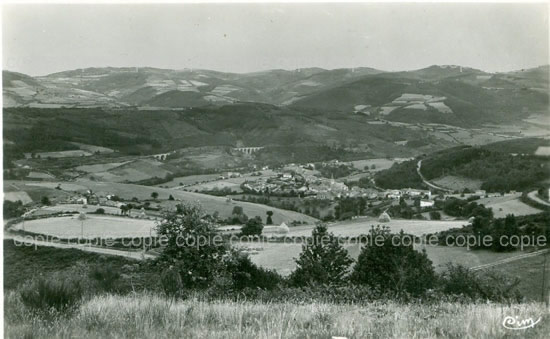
x,y
29,241
533,196
508,260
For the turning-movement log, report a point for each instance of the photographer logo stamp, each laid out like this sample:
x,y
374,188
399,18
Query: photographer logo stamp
x,y
515,323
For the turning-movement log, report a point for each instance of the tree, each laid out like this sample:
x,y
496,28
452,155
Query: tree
x,y
253,226
237,210
391,264
45,201
502,231
82,217
193,248
170,197
238,216
269,221
154,195
323,260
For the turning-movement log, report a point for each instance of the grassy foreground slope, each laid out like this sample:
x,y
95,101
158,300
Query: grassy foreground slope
x,y
150,316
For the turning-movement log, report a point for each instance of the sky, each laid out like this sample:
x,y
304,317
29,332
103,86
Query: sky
x,y
44,38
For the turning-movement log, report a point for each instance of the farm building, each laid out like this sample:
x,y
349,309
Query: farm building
x,y
426,203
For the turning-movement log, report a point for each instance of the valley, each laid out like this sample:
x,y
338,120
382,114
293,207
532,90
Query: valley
x,y
105,153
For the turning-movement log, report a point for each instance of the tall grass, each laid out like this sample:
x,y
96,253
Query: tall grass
x,y
152,316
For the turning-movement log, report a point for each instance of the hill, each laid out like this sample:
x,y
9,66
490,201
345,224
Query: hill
x,y
453,95
496,166
145,86
136,131
450,95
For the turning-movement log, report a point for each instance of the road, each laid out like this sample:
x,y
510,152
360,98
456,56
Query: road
x,y
429,184
533,196
30,241
508,260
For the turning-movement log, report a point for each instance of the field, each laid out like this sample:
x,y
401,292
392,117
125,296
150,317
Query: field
x,y
132,171
99,167
363,225
63,154
147,316
508,204
530,272
127,191
280,256
189,180
380,164
76,207
208,182
18,195
94,227
93,148
457,183
39,175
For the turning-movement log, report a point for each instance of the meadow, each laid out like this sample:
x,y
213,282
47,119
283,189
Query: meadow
x,y
93,227
508,204
144,315
363,225
280,256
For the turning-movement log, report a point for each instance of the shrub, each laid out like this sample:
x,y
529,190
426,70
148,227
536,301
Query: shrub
x,y
435,215
100,211
391,265
171,283
106,277
13,209
245,274
490,285
322,261
43,295
45,201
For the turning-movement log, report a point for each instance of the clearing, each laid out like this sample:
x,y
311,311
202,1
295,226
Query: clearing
x,y
508,204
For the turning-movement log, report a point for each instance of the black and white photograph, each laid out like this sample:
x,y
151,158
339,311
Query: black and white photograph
x,y
209,169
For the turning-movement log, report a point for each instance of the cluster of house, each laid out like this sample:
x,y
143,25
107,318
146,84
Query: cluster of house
x,y
424,195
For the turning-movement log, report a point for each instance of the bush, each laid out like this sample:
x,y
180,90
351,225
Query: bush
x,y
106,277
43,295
45,201
171,282
491,285
323,260
391,266
245,274
100,211
13,209
435,215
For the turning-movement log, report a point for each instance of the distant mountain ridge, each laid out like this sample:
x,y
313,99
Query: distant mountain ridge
x,y
442,94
